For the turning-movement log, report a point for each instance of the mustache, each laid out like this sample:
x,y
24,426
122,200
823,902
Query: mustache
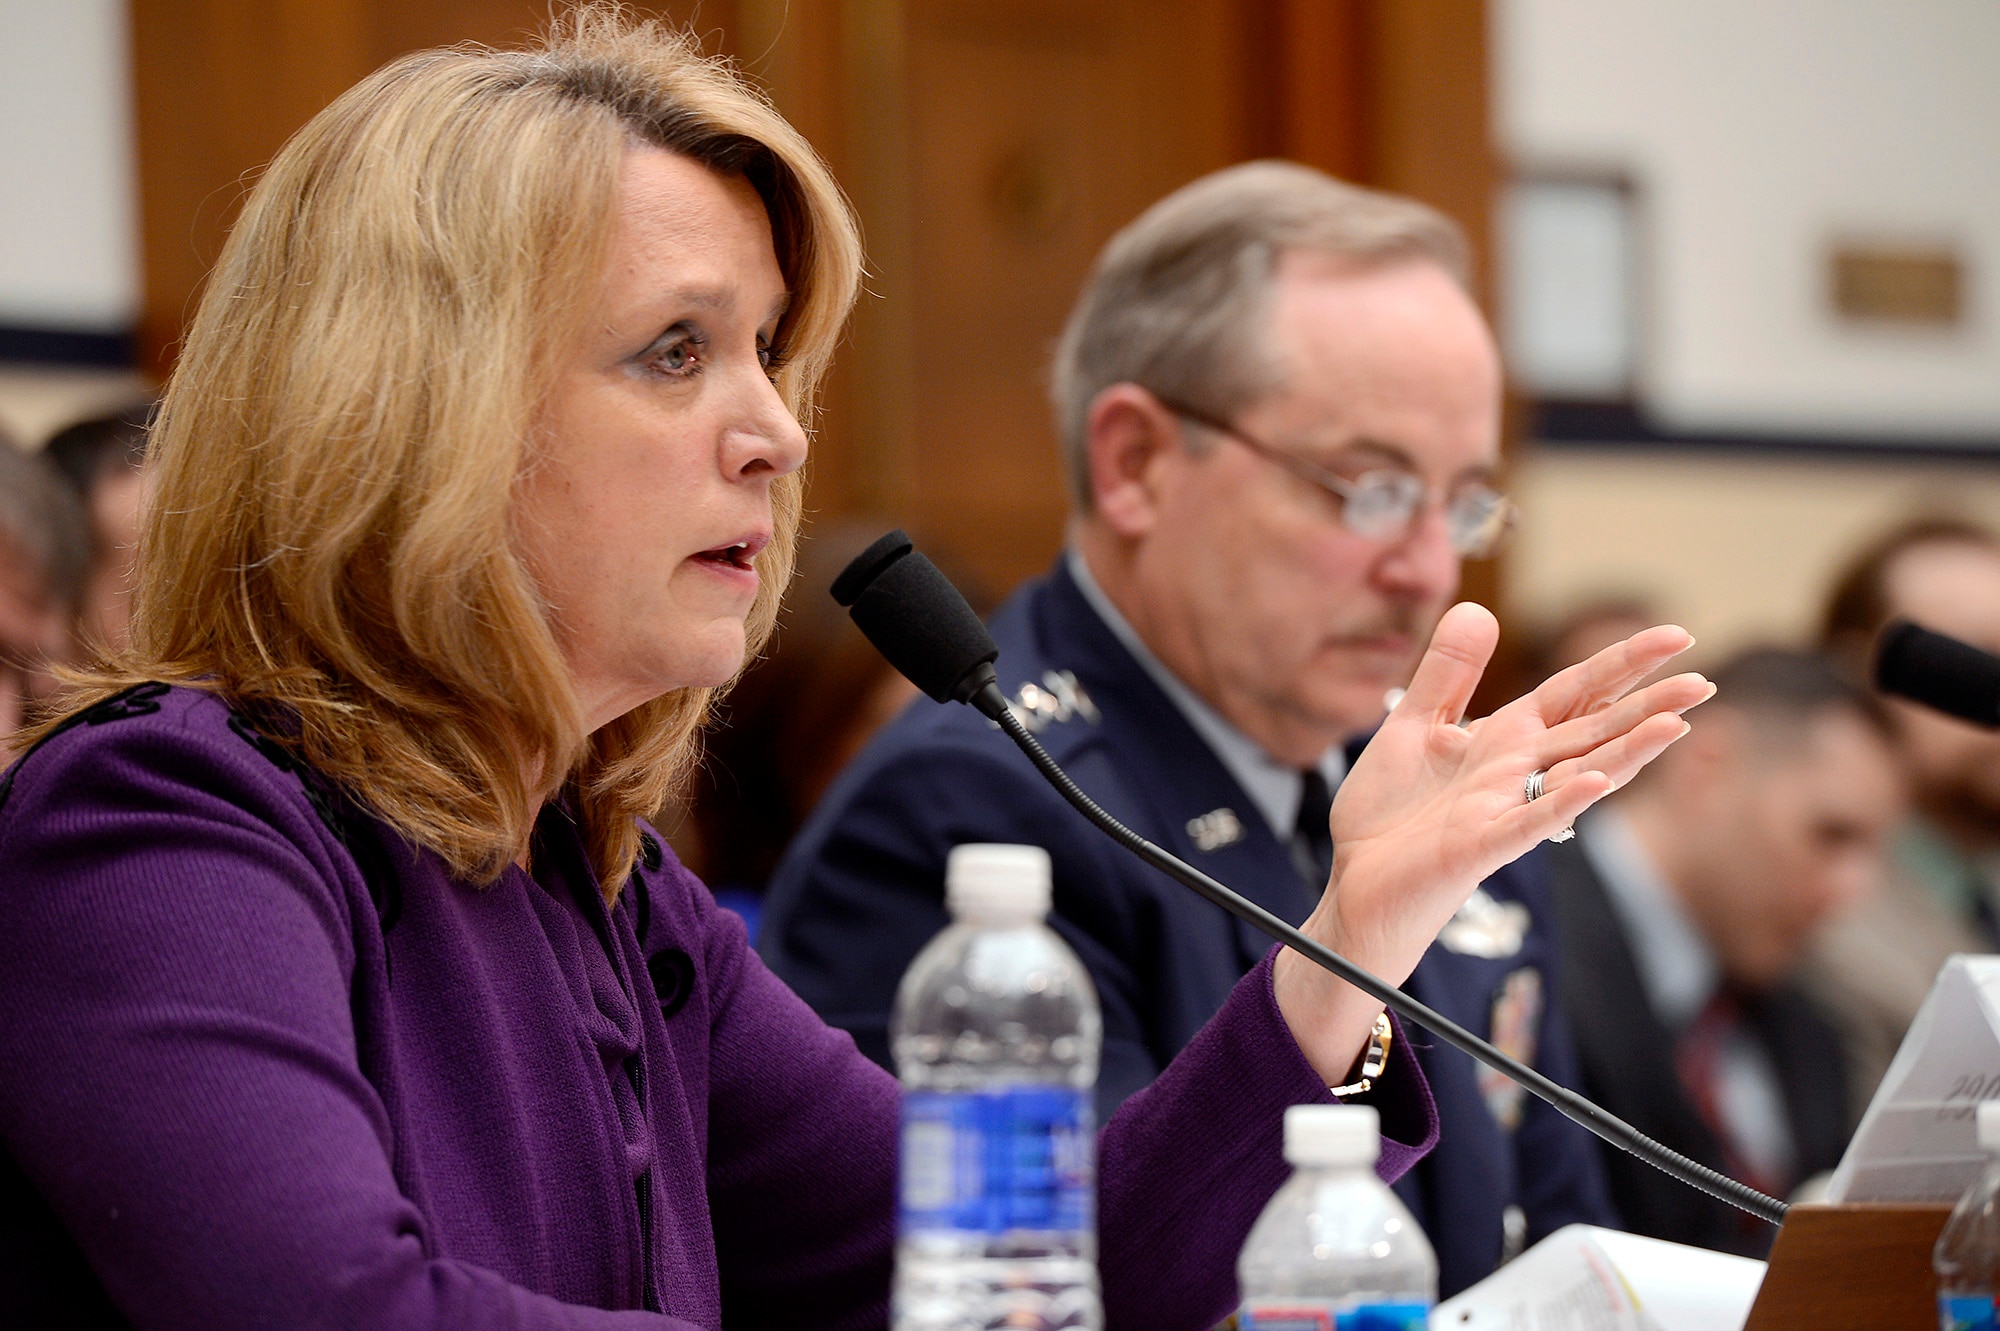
x,y
1401,621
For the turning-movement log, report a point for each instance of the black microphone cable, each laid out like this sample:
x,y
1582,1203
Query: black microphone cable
x,y
919,622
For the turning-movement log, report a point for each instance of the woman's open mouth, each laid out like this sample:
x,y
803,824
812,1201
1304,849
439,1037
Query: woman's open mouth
x,y
732,556
736,556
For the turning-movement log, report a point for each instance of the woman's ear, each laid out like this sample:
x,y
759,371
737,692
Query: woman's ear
x,y
1128,433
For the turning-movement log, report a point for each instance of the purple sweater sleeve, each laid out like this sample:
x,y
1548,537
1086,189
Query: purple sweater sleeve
x,y
192,1108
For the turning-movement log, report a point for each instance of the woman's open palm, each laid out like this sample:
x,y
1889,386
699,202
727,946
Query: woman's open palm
x,y
1434,806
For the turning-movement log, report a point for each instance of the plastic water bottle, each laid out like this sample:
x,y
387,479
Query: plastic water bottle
x,y
1967,1256
1335,1250
996,1034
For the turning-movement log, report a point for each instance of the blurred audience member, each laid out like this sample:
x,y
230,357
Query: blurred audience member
x,y
1942,896
102,457
1684,907
791,724
44,562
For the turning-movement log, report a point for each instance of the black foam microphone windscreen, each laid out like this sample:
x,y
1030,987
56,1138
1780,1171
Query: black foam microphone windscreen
x,y
1943,673
917,619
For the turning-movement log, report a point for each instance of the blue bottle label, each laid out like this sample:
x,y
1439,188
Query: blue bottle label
x,y
1965,1312
1325,1317
1019,1157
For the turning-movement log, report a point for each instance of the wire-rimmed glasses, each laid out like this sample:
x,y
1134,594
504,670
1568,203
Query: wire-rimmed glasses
x,y
1382,504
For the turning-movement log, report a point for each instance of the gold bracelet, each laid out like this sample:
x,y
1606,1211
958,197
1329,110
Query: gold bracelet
x,y
1374,1060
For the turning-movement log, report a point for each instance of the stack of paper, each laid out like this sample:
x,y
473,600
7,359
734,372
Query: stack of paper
x,y
1582,1278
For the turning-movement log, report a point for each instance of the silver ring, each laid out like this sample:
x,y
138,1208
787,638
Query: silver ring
x,y
1532,788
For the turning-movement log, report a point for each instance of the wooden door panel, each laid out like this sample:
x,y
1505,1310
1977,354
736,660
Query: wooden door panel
x,y
1035,132
219,85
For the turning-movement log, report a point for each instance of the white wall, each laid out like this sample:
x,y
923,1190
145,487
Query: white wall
x,y
1759,131
68,207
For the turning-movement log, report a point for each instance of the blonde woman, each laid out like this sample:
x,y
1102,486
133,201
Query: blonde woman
x,y
340,983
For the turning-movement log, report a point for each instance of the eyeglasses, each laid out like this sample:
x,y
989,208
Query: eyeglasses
x,y
1383,504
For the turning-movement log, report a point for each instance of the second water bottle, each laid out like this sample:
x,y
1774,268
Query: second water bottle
x,y
1335,1250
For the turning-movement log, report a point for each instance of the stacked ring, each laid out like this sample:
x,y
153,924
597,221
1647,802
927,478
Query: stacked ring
x,y
1532,788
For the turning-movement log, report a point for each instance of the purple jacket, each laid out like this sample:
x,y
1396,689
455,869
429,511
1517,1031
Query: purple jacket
x,y
265,1064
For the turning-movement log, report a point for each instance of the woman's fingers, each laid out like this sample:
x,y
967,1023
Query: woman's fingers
x,y
1589,685
1575,784
1460,648
1621,758
1579,736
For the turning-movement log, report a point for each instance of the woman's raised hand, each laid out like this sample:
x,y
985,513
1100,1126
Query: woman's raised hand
x,y
1435,806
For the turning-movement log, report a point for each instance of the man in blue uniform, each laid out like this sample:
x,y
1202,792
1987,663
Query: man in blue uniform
x,y
1280,416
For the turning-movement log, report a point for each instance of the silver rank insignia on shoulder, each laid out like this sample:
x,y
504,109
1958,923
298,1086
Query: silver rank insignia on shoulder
x,y
1215,829
1055,700
1486,928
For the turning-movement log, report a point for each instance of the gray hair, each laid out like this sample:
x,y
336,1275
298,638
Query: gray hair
x,y
43,522
1173,295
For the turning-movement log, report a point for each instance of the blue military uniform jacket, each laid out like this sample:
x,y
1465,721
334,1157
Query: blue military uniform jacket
x,y
861,891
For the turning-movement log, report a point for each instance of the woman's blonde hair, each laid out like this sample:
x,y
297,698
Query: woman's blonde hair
x,y
328,535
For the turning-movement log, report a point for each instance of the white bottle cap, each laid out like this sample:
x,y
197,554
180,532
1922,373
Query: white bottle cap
x,y
1322,1136
997,884
1989,1126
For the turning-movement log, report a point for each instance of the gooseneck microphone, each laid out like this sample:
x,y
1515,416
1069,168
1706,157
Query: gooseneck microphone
x,y
920,623
1942,673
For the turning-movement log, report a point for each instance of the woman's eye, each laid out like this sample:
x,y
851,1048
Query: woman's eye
x,y
677,354
771,358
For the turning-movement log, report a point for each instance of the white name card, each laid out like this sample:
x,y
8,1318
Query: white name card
x,y
1916,1143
